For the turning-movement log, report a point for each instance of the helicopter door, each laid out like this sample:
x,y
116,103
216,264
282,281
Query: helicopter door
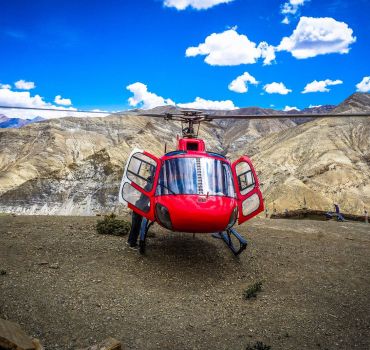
x,y
138,183
250,200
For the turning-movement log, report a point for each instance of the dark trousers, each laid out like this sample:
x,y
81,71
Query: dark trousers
x,y
135,228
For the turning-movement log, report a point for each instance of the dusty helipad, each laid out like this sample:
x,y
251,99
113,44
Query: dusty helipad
x,y
71,287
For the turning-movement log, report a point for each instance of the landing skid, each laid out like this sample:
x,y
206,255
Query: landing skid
x,y
226,237
145,226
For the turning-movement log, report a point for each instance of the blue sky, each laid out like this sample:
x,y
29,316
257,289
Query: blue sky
x,y
88,52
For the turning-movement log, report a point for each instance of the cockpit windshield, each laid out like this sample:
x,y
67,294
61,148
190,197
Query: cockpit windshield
x,y
195,176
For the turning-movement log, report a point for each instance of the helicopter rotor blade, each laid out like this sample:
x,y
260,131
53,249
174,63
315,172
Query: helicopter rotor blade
x,y
285,116
205,117
156,115
180,114
198,115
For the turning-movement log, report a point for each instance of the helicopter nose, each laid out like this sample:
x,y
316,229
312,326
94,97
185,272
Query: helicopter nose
x,y
194,213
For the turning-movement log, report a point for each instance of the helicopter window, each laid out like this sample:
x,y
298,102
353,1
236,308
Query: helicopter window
x,y
141,171
135,197
245,176
192,146
216,178
178,176
195,176
251,204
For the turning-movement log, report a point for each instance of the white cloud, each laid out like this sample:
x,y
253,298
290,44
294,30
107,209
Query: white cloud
x,y
240,83
21,99
11,98
201,103
144,99
230,49
25,99
318,36
364,85
24,85
62,101
102,110
196,4
291,8
320,86
314,106
5,86
276,88
288,109
267,52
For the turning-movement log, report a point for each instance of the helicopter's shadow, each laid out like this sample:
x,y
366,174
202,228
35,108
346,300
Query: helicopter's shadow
x,y
180,253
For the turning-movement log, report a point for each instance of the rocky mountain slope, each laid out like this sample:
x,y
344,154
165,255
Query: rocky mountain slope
x,y
319,163
74,165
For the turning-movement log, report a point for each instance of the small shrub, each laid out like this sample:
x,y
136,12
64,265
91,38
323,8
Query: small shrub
x,y
258,346
252,291
110,225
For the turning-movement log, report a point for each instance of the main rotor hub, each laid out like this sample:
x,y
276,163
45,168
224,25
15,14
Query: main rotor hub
x,y
189,119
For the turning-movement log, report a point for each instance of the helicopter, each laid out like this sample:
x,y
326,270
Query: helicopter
x,y
195,190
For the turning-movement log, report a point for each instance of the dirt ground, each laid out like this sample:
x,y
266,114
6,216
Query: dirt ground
x,y
70,287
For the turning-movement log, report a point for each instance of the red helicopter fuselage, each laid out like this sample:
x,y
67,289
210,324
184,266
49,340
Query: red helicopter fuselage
x,y
190,189
204,208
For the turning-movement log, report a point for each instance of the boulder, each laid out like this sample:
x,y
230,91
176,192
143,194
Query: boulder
x,y
13,337
107,344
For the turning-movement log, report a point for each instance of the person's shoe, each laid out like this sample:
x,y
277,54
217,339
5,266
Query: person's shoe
x,y
133,246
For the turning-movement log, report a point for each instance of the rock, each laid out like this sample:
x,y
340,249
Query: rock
x,y
13,337
54,266
37,344
107,344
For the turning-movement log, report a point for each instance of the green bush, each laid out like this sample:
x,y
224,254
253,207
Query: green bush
x,y
258,346
252,291
110,225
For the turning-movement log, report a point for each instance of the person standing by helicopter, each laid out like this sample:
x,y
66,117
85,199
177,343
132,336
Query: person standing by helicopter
x,y
137,219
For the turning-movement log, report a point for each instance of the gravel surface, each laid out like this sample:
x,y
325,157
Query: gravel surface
x,y
70,287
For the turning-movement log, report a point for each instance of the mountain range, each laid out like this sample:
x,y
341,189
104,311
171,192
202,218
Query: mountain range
x,y
6,122
73,166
